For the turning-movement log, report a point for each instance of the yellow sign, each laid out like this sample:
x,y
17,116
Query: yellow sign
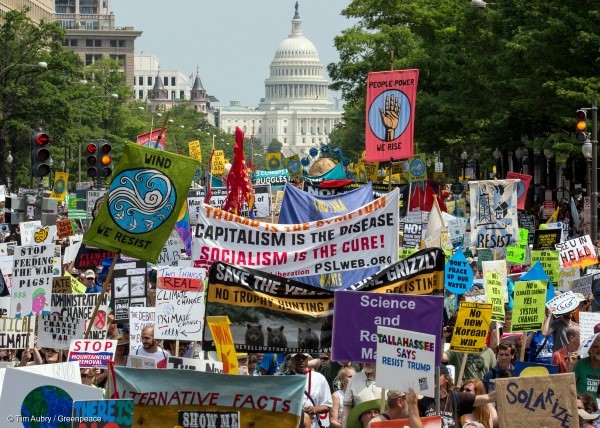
x,y
472,326
59,189
218,163
495,294
274,161
372,170
361,173
195,151
219,328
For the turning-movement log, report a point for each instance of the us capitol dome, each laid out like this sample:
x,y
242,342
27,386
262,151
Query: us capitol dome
x,y
296,109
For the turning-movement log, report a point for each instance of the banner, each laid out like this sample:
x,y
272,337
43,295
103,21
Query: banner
x,y
406,359
299,207
359,314
362,238
577,252
472,327
494,222
522,187
539,401
420,273
32,280
60,186
268,401
390,115
144,200
150,139
268,313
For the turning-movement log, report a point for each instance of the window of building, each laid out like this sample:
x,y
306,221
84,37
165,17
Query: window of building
x,y
141,80
285,129
98,57
89,59
149,80
74,42
172,95
173,81
98,43
182,95
89,43
165,81
66,42
121,43
140,95
113,43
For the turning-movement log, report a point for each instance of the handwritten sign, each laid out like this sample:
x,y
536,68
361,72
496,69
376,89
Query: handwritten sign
x,y
15,333
64,228
549,263
114,414
32,279
472,326
458,276
528,309
564,303
406,359
57,332
543,401
577,252
138,319
61,284
181,278
179,314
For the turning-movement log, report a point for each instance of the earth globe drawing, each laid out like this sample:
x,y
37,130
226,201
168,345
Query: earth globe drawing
x,y
46,403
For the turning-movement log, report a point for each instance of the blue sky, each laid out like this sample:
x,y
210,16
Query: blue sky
x,y
231,41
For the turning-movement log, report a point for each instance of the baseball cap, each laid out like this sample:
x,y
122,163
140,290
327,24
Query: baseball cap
x,y
301,353
90,274
444,370
394,393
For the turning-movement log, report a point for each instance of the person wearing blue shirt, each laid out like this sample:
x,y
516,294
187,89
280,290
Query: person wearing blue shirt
x,y
90,282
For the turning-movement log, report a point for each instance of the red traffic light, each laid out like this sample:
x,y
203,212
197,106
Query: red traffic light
x,y
581,115
42,138
91,148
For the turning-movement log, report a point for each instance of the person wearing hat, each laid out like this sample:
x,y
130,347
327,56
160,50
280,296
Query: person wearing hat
x,y
361,380
558,327
90,282
317,396
453,404
365,409
587,420
122,350
397,407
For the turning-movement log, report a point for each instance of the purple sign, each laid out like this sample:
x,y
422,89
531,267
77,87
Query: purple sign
x,y
357,315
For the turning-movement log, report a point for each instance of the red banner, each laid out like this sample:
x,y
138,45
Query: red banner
x,y
149,139
522,187
391,99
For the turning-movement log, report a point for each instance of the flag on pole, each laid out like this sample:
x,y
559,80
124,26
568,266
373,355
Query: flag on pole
x,y
144,202
239,187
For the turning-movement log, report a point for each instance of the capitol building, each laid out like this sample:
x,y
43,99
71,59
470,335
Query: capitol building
x,y
296,109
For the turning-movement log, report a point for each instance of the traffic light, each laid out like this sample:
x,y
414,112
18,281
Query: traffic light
x,y
40,153
91,151
581,126
105,159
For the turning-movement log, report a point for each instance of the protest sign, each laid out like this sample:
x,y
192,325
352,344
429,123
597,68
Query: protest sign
x,y
527,221
426,422
15,333
61,284
43,235
528,309
494,290
90,257
221,333
484,255
109,413
567,277
129,287
92,352
458,276
319,247
268,313
359,314
76,286
141,362
68,372
7,250
40,397
64,228
539,401
57,332
563,303
419,273
180,363
494,222
261,207
472,326
82,306
171,251
413,230
180,278
201,419
138,319
272,402
587,322
577,252
406,359
32,280
179,314
522,187
546,239
549,262
26,229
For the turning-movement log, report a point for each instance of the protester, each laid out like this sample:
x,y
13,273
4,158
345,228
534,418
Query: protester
x,y
361,380
485,414
566,358
150,348
557,328
477,365
270,364
90,282
503,368
365,409
587,370
343,378
317,397
397,407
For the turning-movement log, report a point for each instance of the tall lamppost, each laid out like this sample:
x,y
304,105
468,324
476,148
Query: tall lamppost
x,y
9,161
464,157
519,155
594,174
476,157
498,159
50,164
586,149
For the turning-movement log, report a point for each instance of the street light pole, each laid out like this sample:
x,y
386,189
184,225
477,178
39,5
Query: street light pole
x,y
464,157
594,200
